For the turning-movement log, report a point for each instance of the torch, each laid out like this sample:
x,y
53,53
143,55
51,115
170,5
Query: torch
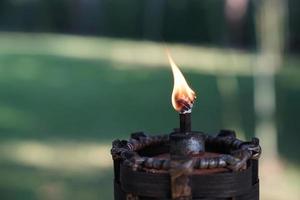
x,y
185,164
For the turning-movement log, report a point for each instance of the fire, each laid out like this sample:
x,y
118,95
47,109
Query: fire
x,y
183,96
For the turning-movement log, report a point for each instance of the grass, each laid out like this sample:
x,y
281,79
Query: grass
x,y
58,95
73,98
21,182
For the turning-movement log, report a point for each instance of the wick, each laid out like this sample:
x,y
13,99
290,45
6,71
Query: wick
x,y
186,107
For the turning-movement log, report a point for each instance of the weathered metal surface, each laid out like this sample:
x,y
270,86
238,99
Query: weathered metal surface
x,y
186,144
180,171
234,152
139,170
211,185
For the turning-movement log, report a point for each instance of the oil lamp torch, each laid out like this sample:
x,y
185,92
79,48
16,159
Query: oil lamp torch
x,y
185,164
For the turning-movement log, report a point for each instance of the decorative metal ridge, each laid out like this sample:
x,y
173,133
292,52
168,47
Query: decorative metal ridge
x,y
235,156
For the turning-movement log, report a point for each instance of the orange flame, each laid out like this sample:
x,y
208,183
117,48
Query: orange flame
x,y
183,96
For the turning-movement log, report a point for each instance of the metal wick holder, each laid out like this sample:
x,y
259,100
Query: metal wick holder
x,y
186,144
182,147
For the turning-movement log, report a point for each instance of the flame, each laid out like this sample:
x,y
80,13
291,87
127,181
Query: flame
x,y
183,96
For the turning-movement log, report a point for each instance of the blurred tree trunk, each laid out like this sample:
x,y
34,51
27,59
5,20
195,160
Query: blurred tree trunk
x,y
88,16
228,86
270,34
153,19
235,14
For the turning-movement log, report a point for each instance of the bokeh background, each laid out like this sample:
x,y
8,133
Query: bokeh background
x,y
76,74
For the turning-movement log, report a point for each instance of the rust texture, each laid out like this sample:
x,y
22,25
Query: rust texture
x,y
183,145
183,155
234,153
180,183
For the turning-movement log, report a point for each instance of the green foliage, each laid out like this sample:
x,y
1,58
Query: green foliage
x,y
185,21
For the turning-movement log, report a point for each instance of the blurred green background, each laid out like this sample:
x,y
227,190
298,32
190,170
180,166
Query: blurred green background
x,y
74,75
